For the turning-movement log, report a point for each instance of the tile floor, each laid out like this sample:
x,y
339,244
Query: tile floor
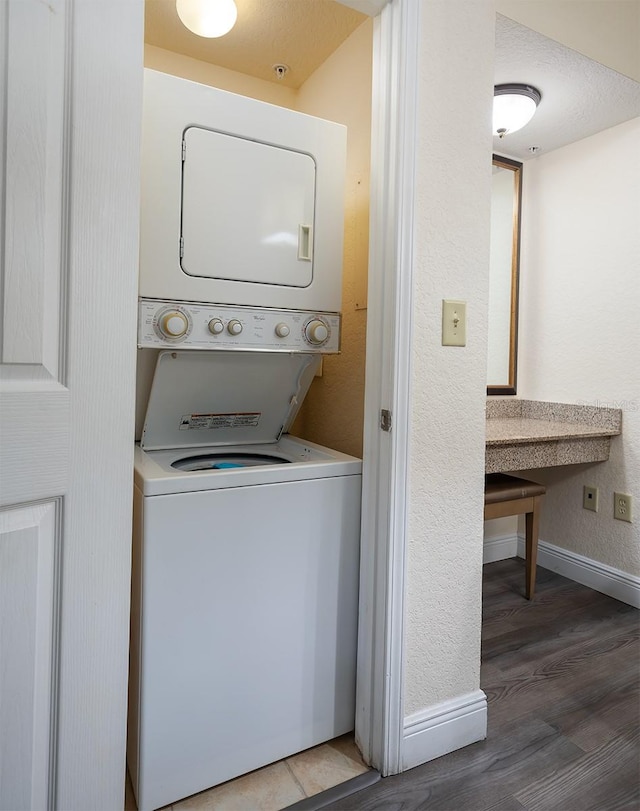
x,y
279,785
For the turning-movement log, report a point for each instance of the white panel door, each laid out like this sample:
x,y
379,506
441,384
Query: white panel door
x,y
28,562
70,103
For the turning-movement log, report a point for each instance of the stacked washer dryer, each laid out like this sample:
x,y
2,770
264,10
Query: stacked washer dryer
x,y
246,540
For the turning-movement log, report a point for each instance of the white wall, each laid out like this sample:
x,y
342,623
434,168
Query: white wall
x,y
605,30
452,225
580,324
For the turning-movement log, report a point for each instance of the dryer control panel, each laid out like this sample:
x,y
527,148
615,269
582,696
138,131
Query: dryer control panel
x,y
192,325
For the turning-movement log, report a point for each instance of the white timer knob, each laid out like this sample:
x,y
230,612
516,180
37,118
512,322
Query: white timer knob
x,y
316,332
234,327
174,324
215,326
282,330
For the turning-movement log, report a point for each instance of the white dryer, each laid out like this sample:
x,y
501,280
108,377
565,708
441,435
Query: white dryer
x,y
245,575
242,201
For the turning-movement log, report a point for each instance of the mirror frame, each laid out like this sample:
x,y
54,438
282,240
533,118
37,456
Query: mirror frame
x,y
515,167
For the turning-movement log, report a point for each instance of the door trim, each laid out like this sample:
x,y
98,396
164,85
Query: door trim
x,y
380,706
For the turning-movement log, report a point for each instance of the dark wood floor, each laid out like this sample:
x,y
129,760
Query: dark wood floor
x,y
562,677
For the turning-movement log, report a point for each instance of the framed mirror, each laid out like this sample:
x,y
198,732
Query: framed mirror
x,y
506,202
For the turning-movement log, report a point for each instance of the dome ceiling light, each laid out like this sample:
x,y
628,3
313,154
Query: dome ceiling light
x,y
513,106
207,18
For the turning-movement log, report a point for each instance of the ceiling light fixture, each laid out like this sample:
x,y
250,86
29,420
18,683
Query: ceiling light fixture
x,y
513,107
207,18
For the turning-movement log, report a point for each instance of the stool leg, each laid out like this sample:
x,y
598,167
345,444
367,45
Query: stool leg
x,y
531,541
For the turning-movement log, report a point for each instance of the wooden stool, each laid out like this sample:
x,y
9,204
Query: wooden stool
x,y
508,495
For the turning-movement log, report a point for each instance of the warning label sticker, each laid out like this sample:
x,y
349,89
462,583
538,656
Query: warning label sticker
x,y
198,422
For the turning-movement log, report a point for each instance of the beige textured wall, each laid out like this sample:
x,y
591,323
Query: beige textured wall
x,y
579,325
197,71
340,90
448,384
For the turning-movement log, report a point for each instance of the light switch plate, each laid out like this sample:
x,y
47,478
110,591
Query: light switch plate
x,y
454,323
590,498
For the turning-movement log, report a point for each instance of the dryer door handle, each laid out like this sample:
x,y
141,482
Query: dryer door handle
x,y
305,242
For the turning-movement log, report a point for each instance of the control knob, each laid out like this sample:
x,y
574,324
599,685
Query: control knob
x,y
173,324
282,330
215,326
234,327
316,332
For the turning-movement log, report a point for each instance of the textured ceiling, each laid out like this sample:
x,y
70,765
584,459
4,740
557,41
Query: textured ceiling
x,y
298,33
580,97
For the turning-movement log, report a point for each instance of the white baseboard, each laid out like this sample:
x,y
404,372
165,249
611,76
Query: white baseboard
x,y
443,728
588,572
500,548
591,573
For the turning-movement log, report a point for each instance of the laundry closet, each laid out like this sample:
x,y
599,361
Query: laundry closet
x,y
339,90
246,507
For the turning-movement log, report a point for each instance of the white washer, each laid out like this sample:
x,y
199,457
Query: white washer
x,y
245,575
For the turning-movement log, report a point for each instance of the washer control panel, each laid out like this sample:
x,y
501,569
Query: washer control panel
x,y
217,326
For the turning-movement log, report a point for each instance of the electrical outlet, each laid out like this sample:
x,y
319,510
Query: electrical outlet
x,y
590,498
623,507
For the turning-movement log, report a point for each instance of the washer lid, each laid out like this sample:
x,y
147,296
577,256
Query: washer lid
x,y
203,398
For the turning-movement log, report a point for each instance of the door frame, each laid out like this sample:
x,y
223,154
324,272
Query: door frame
x,y
380,675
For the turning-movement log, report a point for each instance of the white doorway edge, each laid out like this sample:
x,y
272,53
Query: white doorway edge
x,y
380,681
390,742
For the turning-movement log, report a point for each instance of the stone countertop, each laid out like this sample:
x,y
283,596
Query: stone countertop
x,y
507,430
528,434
